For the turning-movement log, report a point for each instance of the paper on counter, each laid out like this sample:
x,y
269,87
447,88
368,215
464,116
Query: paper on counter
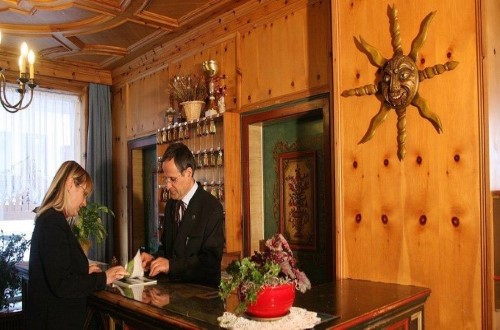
x,y
134,266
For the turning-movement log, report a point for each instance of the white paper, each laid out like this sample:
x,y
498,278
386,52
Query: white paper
x,y
132,292
133,282
137,270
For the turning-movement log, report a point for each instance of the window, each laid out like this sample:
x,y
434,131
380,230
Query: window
x,y
33,144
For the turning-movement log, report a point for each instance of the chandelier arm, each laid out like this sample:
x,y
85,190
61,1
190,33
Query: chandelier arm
x,y
29,102
13,108
9,109
18,105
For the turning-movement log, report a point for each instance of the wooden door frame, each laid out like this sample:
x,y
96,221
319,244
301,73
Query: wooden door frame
x,y
140,143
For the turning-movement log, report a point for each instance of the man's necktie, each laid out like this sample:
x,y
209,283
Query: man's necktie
x,y
180,207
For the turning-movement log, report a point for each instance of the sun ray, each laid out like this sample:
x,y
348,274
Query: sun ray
x,y
432,71
378,119
420,38
424,112
401,125
373,54
394,27
371,89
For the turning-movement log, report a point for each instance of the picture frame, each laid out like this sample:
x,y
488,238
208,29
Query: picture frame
x,y
297,180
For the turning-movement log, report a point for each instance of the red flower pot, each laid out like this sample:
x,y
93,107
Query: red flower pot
x,y
273,301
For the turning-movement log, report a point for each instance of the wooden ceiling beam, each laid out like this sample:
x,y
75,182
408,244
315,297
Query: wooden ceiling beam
x,y
9,62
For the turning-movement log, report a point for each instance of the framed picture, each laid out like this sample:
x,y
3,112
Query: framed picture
x,y
298,223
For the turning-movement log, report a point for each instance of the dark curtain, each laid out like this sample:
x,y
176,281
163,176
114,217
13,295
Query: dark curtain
x,y
99,163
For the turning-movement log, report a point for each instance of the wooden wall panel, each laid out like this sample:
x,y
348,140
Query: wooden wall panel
x,y
148,101
440,177
232,183
120,174
286,55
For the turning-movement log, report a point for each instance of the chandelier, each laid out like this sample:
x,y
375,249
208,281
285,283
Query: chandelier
x,y
26,79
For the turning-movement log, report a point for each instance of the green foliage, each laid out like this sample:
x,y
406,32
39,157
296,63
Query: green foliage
x,y
274,266
12,248
89,223
249,277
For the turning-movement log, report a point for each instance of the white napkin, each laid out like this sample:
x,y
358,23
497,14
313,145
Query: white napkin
x,y
134,266
297,319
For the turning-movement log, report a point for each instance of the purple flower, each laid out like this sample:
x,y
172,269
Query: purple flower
x,y
278,251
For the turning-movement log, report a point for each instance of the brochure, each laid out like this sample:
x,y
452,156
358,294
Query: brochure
x,y
129,282
136,274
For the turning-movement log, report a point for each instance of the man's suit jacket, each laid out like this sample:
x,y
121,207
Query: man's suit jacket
x,y
59,279
195,248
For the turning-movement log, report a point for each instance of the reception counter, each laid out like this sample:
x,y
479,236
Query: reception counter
x,y
353,304
347,303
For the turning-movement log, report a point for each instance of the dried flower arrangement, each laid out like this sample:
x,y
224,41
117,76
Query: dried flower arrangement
x,y
188,88
274,266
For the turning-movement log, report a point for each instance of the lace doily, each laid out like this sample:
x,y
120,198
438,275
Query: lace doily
x,y
297,319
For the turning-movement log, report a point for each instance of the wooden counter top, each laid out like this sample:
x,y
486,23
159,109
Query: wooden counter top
x,y
347,303
354,303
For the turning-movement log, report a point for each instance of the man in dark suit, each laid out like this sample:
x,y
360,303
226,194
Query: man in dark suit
x,y
193,230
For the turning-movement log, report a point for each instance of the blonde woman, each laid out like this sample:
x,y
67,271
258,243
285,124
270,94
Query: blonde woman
x,y
60,278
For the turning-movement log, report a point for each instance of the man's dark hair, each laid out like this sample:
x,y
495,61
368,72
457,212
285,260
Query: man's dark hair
x,y
182,156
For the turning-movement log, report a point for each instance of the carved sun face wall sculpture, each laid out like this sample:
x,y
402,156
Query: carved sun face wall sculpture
x,y
398,81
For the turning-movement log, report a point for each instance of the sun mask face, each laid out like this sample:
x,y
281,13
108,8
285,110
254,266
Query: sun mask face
x,y
400,81
398,86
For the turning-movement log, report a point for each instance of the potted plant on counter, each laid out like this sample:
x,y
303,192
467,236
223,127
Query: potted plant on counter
x,y
190,92
88,225
266,281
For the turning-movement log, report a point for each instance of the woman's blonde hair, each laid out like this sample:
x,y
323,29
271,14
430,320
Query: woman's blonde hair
x,y
56,196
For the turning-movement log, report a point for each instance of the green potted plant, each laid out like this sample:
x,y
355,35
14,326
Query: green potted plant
x,y
271,272
190,92
88,224
12,249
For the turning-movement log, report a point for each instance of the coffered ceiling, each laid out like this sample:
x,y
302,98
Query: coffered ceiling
x,y
100,34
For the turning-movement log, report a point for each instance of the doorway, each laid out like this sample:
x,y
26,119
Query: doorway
x,y
142,212
274,140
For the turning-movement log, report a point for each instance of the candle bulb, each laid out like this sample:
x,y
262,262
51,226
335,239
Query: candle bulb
x,y
24,54
31,61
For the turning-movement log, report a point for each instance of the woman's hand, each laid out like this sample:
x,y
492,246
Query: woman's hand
x,y
115,273
94,269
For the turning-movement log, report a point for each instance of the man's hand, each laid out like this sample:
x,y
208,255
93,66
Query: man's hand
x,y
159,265
146,259
159,299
